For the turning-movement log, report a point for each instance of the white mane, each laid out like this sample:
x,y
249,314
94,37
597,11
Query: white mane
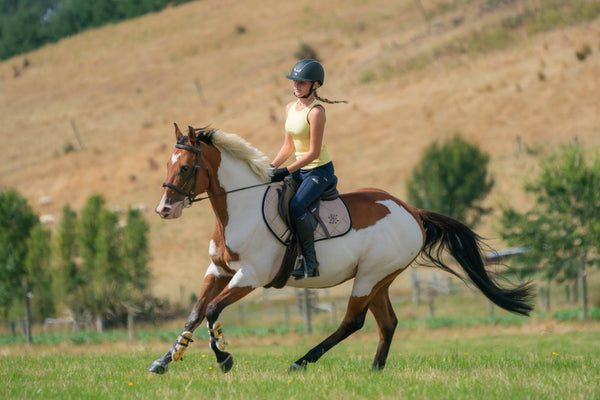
x,y
239,148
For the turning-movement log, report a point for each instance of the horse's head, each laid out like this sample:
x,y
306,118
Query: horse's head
x,y
188,172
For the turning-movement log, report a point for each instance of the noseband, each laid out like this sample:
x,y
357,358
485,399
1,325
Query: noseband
x,y
189,196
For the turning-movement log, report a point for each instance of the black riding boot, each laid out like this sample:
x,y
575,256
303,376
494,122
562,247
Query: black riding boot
x,y
307,265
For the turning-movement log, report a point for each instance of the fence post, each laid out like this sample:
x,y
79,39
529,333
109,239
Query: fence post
x,y
307,320
286,314
583,288
131,326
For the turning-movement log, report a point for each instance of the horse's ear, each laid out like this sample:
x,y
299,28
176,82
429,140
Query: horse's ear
x,y
192,136
178,133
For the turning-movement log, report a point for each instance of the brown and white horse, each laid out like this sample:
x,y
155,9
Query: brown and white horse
x,y
387,235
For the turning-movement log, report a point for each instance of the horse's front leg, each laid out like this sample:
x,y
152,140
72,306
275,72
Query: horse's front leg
x,y
214,309
211,287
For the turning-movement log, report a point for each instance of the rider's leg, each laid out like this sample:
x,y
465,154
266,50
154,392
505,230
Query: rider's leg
x,y
314,182
309,266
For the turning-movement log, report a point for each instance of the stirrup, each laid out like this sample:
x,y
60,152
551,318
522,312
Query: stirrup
x,y
181,345
299,271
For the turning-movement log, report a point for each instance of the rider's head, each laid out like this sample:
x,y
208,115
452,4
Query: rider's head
x,y
308,70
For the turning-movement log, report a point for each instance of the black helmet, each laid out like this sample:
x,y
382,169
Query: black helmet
x,y
307,70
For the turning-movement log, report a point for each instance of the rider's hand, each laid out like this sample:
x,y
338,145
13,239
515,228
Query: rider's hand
x,y
279,174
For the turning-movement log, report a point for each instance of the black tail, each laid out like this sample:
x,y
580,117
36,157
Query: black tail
x,y
445,233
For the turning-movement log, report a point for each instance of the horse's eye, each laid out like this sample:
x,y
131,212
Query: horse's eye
x,y
184,169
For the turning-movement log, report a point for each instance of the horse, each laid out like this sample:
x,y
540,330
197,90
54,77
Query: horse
x,y
387,235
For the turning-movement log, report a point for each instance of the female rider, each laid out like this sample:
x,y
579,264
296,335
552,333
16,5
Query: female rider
x,y
313,168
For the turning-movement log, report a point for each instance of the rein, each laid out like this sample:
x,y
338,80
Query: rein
x,y
189,199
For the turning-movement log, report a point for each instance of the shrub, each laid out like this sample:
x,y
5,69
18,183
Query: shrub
x,y
306,51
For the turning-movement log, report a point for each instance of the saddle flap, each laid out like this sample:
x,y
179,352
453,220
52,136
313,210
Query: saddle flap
x,y
287,191
333,215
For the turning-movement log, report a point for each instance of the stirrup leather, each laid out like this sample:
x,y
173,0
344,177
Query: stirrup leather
x,y
183,341
218,334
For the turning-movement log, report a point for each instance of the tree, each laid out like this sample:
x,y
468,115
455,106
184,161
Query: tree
x,y
37,281
452,179
134,248
70,276
109,274
101,261
562,231
103,266
17,219
27,25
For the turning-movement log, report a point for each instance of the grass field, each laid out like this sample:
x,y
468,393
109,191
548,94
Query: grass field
x,y
434,364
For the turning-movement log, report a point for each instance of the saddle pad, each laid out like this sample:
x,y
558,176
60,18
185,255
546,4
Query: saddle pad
x,y
334,215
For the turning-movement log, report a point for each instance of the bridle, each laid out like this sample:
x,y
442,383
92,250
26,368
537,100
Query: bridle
x,y
189,196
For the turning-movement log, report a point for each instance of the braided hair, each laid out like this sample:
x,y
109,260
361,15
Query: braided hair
x,y
323,100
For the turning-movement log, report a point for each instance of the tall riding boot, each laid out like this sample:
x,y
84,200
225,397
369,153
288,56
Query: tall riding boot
x,y
307,266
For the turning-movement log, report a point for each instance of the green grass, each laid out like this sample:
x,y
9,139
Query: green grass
x,y
520,366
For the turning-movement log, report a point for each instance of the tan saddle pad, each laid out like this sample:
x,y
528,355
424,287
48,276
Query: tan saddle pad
x,y
333,218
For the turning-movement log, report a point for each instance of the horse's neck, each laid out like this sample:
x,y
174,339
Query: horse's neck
x,y
244,204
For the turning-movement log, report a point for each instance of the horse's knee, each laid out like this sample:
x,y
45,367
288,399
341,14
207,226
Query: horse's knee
x,y
193,320
212,312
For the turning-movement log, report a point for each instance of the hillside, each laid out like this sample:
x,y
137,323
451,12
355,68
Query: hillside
x,y
223,63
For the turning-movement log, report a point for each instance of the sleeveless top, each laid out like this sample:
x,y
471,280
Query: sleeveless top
x,y
298,127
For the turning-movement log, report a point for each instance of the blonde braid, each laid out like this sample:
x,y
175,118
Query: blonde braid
x,y
327,100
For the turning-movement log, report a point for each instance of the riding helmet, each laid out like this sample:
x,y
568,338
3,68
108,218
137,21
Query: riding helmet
x,y
307,70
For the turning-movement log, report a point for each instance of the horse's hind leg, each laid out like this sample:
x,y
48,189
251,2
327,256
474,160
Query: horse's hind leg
x,y
353,321
211,287
382,310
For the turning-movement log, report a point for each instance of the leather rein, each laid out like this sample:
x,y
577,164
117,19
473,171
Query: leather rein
x,y
189,196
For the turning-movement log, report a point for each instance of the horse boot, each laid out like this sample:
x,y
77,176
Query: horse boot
x,y
307,265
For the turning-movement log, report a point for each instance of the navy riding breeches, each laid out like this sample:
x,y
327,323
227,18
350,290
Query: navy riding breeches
x,y
313,182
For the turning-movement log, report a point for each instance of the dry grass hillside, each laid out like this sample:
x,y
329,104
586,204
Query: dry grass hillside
x,y
223,62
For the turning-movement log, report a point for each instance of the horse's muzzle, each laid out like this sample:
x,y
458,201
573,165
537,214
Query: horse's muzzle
x,y
169,211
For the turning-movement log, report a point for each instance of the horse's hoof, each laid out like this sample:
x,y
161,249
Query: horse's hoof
x,y
226,364
158,368
297,367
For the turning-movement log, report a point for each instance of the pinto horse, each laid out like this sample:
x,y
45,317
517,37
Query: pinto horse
x,y
386,236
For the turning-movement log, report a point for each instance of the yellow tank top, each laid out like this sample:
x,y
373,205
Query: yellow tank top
x,y
297,126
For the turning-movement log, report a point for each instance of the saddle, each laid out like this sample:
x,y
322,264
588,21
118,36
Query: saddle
x,y
329,215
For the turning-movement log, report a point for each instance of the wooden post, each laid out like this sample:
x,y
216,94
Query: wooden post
x,y
431,305
420,7
131,326
76,132
414,283
547,297
28,296
307,320
241,312
286,314
583,275
333,313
